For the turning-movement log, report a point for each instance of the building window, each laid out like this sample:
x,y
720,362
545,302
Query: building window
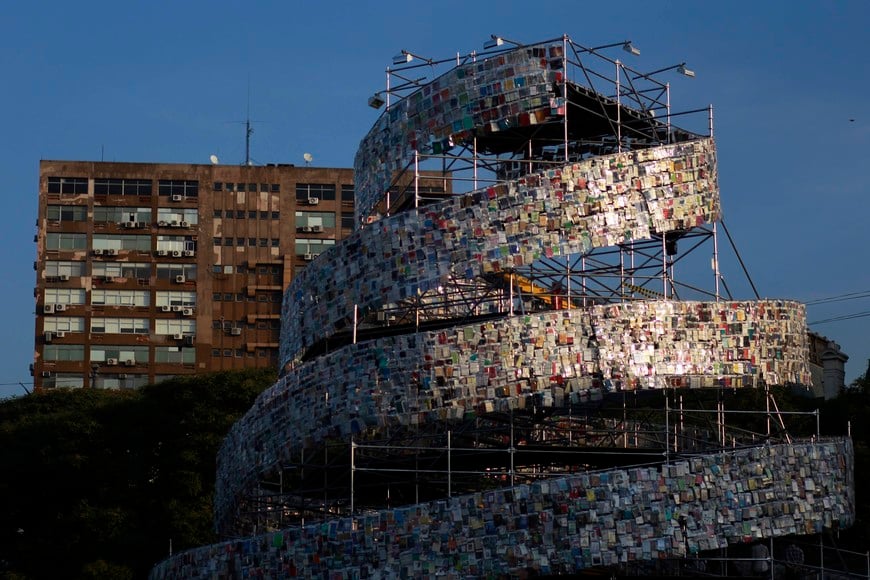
x,y
316,219
122,187
120,381
65,241
264,243
276,188
66,213
240,241
275,242
175,298
64,296
218,186
63,324
63,352
137,298
121,269
252,242
120,215
312,247
172,272
177,216
182,187
119,353
215,352
240,214
347,192
176,244
321,191
173,326
54,268
122,242
64,381
68,185
252,214
119,325
347,221
275,215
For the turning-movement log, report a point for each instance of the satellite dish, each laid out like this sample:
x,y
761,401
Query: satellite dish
x,y
308,157
214,159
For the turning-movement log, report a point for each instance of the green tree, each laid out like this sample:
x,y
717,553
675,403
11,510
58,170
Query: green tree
x,y
95,484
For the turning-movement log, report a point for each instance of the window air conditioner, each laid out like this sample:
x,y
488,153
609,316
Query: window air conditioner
x,y
111,251
305,229
130,362
313,200
174,223
176,253
188,253
48,309
184,224
187,311
308,257
166,308
176,308
63,277
161,252
162,224
98,252
111,362
131,225
49,336
236,331
180,279
60,334
317,229
59,307
177,197
178,336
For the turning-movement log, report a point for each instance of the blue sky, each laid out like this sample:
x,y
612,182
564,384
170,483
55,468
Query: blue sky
x,y
168,81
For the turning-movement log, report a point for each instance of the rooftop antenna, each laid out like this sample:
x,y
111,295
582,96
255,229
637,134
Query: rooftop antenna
x,y
248,129
214,159
308,157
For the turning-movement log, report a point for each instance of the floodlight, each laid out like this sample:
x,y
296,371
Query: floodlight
x,y
495,41
630,48
376,101
403,58
684,71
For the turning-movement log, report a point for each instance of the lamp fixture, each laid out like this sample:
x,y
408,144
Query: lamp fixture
x,y
628,47
495,41
407,56
376,101
685,72
680,68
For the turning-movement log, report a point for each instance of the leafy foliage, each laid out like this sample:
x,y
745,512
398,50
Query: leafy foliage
x,y
96,484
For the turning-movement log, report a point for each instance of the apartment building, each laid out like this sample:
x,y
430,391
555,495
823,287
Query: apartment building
x,y
145,271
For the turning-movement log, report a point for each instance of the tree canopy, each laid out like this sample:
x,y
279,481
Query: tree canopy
x,y
99,484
